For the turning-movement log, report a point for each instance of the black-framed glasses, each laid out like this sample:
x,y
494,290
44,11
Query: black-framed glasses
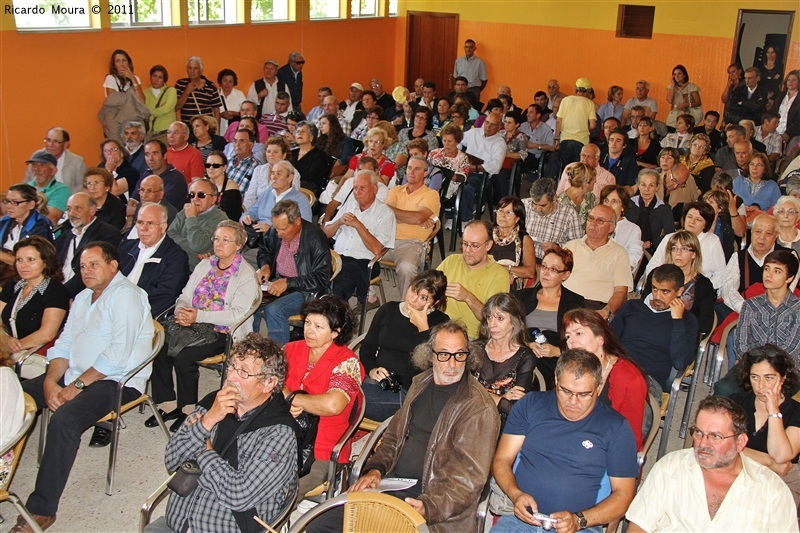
x,y
15,203
301,62
214,165
202,195
716,438
242,372
444,357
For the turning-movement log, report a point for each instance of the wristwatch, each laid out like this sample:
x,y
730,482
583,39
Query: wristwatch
x,y
79,384
582,521
775,415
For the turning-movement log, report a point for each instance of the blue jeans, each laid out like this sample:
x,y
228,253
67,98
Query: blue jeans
x,y
277,315
381,404
512,524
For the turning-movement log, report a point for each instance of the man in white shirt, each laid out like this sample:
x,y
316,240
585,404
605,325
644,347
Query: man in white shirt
x,y
486,149
713,486
266,89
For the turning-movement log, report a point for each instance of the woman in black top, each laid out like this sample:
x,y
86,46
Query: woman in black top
x,y
508,363
512,247
114,158
98,182
230,197
395,331
646,147
650,213
33,305
311,162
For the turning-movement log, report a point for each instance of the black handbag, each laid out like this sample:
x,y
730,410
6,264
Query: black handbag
x,y
307,435
178,337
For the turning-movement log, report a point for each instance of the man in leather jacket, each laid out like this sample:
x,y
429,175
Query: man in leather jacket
x,y
294,259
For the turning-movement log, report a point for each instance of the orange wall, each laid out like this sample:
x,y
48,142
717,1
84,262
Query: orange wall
x,y
526,56
49,79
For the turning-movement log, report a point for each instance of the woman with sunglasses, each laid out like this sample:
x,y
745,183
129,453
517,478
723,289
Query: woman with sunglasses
x,y
230,197
219,292
545,305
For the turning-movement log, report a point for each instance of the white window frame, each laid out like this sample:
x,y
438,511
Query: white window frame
x,y
286,6
341,13
165,12
48,15
229,15
356,14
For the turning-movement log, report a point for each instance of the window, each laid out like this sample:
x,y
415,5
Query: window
x,y
635,22
132,13
325,9
363,8
212,12
392,8
52,14
269,10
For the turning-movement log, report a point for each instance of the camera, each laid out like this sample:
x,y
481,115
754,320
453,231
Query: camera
x,y
391,382
547,521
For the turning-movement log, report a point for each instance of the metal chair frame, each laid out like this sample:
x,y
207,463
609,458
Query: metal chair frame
x,y
698,363
17,444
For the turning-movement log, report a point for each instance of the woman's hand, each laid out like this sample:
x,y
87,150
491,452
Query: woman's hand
x,y
15,345
544,350
514,393
378,373
419,318
186,316
772,397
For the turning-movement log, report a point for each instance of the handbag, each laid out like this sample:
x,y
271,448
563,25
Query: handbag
x,y
306,436
187,476
178,337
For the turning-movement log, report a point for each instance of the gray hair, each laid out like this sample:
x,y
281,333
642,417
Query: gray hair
x,y
418,158
422,356
788,200
288,208
294,55
793,185
645,82
195,59
209,182
182,125
373,177
89,199
312,128
284,163
769,219
238,230
131,124
648,172
579,362
161,210
268,352
543,187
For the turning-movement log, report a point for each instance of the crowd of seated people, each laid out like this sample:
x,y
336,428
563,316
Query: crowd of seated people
x,y
195,227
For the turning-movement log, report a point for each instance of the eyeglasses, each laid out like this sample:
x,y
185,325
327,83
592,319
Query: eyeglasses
x,y
444,357
582,396
681,249
455,116
110,150
545,268
15,203
214,165
88,184
715,438
473,245
501,212
149,224
594,219
202,195
783,211
243,373
222,241
48,140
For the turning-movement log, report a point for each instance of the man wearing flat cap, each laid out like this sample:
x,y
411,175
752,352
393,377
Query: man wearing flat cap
x,y
44,166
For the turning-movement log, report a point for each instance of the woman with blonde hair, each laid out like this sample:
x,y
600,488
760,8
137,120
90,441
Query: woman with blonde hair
x,y
395,150
579,195
696,159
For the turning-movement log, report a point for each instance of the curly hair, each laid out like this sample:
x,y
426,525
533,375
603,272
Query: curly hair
x,y
265,350
777,357
340,317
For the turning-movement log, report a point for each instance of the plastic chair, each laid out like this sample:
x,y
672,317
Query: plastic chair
x,y
113,420
538,379
145,513
373,282
698,363
369,447
444,204
651,410
17,443
369,512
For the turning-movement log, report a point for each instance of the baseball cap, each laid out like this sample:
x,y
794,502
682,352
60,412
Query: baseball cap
x,y
43,156
357,86
272,61
583,83
399,94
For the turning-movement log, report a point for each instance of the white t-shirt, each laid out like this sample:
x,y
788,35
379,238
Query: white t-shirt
x,y
112,83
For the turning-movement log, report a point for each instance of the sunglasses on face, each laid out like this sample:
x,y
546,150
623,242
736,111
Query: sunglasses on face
x,y
214,165
202,195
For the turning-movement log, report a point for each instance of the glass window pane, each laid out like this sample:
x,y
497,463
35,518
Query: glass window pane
x,y
392,8
266,10
364,8
324,9
144,13
209,11
61,14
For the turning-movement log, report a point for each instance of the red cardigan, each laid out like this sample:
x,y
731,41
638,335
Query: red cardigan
x,y
331,428
627,390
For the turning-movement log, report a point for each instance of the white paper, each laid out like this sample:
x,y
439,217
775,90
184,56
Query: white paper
x,y
393,484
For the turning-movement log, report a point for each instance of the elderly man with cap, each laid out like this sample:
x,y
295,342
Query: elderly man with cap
x,y
265,90
44,166
576,117
352,104
70,166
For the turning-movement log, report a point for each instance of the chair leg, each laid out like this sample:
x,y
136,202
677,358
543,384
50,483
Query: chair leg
x,y
456,220
712,353
44,421
363,316
440,237
687,411
662,445
383,293
156,414
21,509
112,455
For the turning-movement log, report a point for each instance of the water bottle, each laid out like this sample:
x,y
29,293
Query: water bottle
x,y
537,336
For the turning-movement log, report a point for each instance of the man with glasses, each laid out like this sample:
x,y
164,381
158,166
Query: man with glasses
x,y
194,226
442,436
69,166
602,273
486,150
713,486
291,74
657,332
548,222
566,455
173,183
181,155
153,261
248,414
473,276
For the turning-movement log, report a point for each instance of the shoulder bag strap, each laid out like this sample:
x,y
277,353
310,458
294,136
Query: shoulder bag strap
x,y
244,426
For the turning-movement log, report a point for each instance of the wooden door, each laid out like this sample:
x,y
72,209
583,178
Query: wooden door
x,y
432,47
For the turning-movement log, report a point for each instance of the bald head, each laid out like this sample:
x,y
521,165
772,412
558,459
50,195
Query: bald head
x,y
590,155
151,189
330,105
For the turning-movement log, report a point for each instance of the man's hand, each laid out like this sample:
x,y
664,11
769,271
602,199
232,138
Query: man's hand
x,y
349,219
416,504
676,308
370,480
247,220
781,468
67,393
52,396
524,507
261,227
547,246
567,522
190,210
225,403
263,273
263,93
457,292
277,287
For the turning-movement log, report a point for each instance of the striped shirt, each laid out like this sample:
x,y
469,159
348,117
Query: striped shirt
x,y
202,101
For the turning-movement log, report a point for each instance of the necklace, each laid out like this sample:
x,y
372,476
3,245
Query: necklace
x,y
226,268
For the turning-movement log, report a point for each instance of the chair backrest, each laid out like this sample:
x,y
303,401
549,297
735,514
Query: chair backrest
x,y
356,416
355,344
17,441
538,378
309,194
336,264
368,512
